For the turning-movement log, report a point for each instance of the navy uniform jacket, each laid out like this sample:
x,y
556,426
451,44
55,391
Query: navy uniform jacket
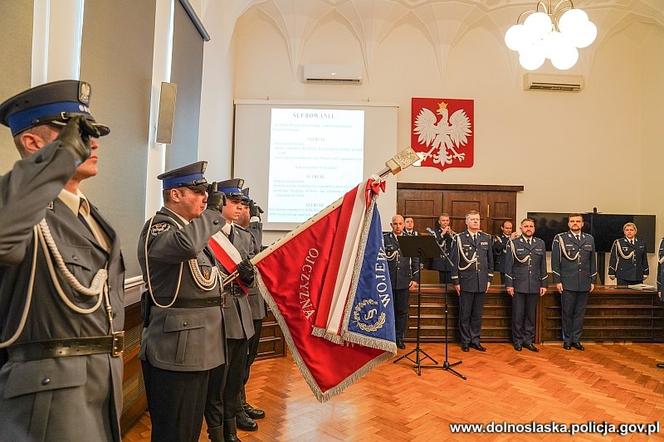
x,y
472,262
181,339
256,301
410,232
499,252
55,398
632,269
403,269
576,274
238,322
528,276
445,242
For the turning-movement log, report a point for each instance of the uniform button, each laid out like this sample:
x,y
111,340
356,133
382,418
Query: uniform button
x,y
184,324
215,222
75,258
46,381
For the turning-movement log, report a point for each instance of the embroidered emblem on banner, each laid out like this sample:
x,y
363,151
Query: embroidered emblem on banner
x,y
443,130
366,316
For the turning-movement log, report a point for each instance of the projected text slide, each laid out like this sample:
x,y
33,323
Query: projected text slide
x,y
316,155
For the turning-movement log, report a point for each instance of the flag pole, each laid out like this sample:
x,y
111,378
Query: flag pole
x,y
394,165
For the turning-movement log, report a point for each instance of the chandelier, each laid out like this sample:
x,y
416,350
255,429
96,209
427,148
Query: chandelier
x,y
551,32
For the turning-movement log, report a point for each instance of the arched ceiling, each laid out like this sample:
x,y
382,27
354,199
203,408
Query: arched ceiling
x,y
443,22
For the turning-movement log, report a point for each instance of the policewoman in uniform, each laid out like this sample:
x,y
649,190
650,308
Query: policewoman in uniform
x,y
182,350
628,260
472,270
238,322
251,221
574,268
525,281
403,276
61,276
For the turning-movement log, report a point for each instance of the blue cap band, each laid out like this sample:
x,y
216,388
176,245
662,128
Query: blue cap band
x,y
231,190
182,180
19,121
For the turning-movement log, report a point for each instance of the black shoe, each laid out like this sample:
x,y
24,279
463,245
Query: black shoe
x,y
478,347
230,431
660,365
578,346
244,422
517,347
465,347
254,413
566,346
401,345
531,347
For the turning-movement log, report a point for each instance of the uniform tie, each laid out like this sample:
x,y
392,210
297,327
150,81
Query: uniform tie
x,y
83,212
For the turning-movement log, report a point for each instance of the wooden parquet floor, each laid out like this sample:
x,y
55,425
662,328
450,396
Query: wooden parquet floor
x,y
616,383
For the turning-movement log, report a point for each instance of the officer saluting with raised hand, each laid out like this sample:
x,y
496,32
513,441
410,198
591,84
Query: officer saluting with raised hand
x,y
574,268
62,276
500,247
182,350
238,322
525,280
472,271
251,221
628,260
445,239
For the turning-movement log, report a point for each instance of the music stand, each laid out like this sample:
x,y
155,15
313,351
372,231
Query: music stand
x,y
418,247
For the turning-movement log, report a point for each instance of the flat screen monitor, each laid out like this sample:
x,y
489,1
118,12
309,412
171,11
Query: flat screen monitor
x,y
607,228
549,224
604,227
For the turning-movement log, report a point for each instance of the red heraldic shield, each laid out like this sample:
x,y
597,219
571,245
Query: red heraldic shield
x,y
444,130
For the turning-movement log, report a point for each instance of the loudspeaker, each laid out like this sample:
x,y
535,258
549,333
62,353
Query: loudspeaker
x,y
166,117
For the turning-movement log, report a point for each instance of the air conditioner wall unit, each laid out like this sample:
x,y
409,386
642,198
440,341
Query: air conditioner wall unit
x,y
332,73
553,82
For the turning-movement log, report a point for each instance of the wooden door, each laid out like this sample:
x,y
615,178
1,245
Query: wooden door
x,y
425,202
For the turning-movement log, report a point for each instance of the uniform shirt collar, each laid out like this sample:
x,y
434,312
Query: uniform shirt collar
x,y
227,228
72,200
184,220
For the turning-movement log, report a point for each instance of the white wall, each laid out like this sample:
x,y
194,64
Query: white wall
x,y
599,148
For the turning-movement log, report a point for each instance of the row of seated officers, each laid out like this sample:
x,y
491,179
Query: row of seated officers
x,y
62,289
468,259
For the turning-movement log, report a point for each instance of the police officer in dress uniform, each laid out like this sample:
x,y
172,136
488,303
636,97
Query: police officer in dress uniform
x,y
445,239
574,267
628,260
182,349
660,278
500,247
61,276
251,221
472,271
525,280
403,276
409,226
238,322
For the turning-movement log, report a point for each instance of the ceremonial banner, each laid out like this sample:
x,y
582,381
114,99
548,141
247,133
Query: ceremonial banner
x,y
328,286
443,129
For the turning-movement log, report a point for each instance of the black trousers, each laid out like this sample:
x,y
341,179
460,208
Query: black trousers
x,y
237,348
573,307
176,401
252,351
400,312
471,306
524,315
214,404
